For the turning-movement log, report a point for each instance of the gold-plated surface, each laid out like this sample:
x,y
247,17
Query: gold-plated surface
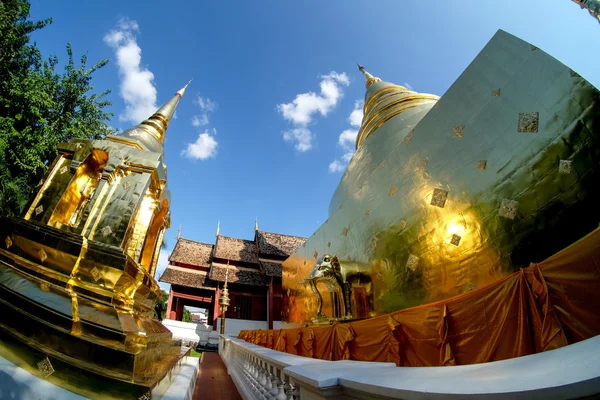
x,y
77,272
593,6
442,199
224,301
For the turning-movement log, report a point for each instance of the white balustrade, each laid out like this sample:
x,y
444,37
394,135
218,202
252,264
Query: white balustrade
x,y
263,374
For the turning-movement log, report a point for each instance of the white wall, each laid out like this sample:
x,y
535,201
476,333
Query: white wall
x,y
188,331
234,326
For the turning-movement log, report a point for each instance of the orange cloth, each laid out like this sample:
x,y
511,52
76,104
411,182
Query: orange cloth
x,y
542,307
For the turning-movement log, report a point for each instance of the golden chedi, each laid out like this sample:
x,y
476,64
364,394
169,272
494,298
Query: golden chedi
x,y
77,286
445,195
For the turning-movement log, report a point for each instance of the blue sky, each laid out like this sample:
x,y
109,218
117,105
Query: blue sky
x,y
251,60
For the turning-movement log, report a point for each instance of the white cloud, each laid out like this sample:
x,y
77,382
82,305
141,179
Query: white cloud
x,y
137,89
336,166
301,111
406,85
200,120
356,115
203,148
207,106
347,138
301,136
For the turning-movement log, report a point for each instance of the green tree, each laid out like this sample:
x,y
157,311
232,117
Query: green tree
x,y
39,107
187,316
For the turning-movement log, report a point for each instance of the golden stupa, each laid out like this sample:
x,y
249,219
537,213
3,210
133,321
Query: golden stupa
x,y
77,286
446,195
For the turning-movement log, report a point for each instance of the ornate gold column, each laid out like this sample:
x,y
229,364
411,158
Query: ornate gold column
x,y
224,303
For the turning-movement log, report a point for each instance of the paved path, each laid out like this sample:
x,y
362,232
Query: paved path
x,y
213,381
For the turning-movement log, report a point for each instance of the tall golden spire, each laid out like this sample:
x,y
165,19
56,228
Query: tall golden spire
x,y
368,77
151,132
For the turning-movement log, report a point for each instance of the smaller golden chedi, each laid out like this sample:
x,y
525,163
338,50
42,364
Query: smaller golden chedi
x,y
77,286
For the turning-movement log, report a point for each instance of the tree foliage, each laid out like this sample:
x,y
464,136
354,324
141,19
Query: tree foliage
x,y
39,106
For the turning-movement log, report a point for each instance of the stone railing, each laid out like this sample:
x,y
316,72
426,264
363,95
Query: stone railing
x,y
259,373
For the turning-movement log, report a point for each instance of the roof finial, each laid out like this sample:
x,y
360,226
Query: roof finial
x,y
218,228
255,224
368,77
181,91
179,232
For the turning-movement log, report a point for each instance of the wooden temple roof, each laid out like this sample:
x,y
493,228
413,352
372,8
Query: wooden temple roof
x,y
228,248
242,275
274,247
190,252
271,268
187,277
276,244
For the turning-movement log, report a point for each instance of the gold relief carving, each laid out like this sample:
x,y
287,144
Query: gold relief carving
x,y
44,287
402,223
496,92
126,185
45,367
316,254
96,274
471,286
482,164
439,198
392,192
345,231
63,169
409,137
367,212
106,231
42,255
458,131
564,166
528,122
328,244
39,210
413,262
508,208
373,243
455,239
8,242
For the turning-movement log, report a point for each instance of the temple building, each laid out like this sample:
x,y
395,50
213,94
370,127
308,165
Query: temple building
x,y
197,272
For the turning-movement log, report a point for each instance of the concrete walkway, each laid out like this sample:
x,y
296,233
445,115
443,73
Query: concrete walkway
x,y
213,381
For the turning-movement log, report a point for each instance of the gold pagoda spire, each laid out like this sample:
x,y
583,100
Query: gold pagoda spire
x,y
151,132
368,77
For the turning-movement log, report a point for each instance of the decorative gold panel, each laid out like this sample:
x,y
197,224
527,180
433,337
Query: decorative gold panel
x,y
529,122
439,198
45,367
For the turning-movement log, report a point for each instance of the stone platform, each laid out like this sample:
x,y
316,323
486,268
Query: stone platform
x,y
17,383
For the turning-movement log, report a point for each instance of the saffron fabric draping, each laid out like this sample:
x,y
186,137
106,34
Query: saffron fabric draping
x,y
542,307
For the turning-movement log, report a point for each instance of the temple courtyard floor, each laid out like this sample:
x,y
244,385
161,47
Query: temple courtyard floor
x,y
213,381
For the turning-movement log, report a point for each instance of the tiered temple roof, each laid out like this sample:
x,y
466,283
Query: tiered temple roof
x,y
250,262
